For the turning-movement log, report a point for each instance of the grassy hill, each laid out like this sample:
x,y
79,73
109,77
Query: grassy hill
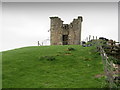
x,y
52,67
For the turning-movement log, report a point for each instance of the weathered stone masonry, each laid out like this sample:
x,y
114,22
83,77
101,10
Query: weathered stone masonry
x,y
65,34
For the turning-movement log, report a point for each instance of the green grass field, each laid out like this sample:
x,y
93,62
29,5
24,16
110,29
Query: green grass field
x,y
52,67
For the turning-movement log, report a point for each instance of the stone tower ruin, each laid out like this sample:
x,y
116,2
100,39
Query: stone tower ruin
x,y
65,34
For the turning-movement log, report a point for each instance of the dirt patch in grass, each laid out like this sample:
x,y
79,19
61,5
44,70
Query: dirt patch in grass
x,y
99,75
67,54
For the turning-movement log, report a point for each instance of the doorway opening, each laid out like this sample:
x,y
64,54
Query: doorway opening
x,y
65,39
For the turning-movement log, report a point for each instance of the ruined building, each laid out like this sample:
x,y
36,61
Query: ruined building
x,y
65,34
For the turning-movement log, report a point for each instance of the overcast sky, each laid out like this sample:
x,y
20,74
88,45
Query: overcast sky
x,y
23,24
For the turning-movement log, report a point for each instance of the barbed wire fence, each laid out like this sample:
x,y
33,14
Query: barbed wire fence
x,y
44,42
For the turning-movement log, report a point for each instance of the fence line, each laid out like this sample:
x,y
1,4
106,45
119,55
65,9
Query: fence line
x,y
108,67
110,53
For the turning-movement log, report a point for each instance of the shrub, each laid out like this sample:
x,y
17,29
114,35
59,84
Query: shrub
x,y
116,61
71,49
49,58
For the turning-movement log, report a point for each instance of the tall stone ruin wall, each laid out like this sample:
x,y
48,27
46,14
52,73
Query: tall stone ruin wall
x,y
58,29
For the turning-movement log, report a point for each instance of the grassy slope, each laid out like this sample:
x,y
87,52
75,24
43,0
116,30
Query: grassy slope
x,y
23,68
